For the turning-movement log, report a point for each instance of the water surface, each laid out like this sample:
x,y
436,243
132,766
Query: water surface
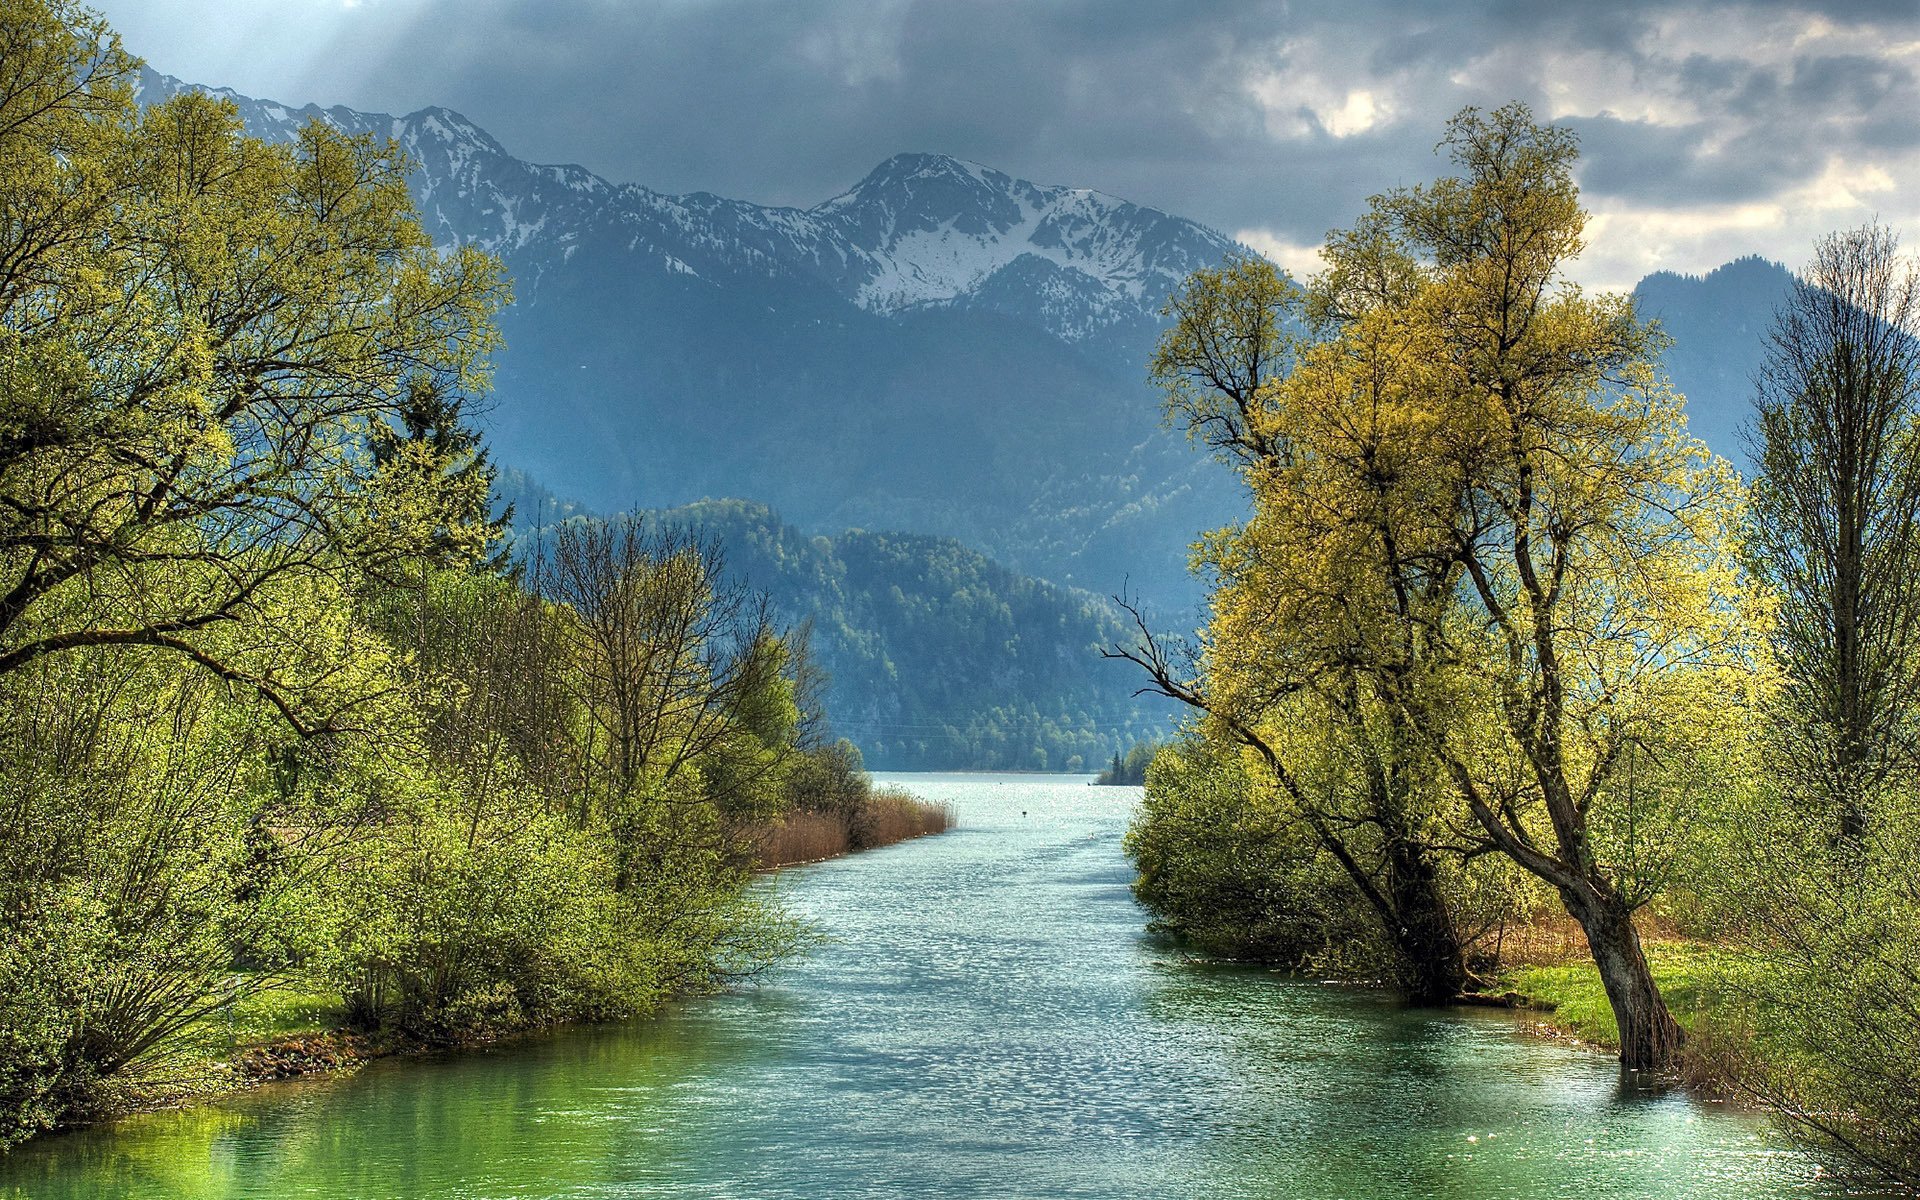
x,y
989,1020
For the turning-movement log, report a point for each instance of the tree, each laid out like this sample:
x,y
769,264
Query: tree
x,y
1485,564
672,655
433,474
1291,643
200,333
1601,619
1835,524
1823,876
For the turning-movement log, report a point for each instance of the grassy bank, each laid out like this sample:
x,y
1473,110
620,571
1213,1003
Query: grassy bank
x,y
1553,978
295,1030
1693,976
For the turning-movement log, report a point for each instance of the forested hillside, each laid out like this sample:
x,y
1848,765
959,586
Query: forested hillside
x,y
1719,324
936,656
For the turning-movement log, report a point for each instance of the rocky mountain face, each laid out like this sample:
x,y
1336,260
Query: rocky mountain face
x,y
942,348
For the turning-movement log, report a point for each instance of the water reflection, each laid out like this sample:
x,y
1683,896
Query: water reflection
x,y
989,1020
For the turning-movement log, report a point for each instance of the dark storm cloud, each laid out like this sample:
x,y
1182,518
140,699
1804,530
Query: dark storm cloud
x,y
791,101
1225,110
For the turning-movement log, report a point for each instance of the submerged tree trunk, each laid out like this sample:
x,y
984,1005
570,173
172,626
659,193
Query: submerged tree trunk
x,y
1650,1039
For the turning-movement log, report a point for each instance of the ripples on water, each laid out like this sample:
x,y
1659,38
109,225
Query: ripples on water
x,y
988,1020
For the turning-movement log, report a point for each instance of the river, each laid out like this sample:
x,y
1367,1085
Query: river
x,y
989,1019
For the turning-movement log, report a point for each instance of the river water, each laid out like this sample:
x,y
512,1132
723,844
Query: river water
x,y
988,1020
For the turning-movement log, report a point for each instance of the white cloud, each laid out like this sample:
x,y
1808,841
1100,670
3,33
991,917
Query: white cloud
x,y
1300,260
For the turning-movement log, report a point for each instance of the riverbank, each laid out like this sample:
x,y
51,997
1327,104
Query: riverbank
x,y
985,1021
1551,978
886,816
294,1031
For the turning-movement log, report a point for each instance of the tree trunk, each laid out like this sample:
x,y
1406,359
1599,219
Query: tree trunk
x,y
1650,1039
1432,967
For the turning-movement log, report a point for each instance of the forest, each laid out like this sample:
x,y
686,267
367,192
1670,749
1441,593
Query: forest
x,y
280,708
936,657
1501,645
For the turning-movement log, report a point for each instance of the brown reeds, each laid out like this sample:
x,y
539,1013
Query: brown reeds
x,y
1548,939
884,816
892,815
802,837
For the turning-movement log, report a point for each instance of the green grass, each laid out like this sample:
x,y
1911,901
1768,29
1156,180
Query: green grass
x,y
262,1017
198,1061
1694,978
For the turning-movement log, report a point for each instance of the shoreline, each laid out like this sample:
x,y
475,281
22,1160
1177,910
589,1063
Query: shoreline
x,y
322,1051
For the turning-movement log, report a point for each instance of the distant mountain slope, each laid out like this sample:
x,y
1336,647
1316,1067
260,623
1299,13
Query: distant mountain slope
x,y
1718,323
939,657
941,348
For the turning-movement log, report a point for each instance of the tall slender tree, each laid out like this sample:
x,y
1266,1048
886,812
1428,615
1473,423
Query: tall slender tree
x,y
1835,525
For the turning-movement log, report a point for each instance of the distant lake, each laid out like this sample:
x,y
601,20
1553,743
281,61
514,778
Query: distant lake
x,y
988,1020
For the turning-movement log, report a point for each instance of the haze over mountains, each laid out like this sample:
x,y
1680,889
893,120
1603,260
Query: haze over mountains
x,y
943,350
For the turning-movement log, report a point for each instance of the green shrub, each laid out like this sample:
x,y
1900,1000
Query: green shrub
x,y
1223,870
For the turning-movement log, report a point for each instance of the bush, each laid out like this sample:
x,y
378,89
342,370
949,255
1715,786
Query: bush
x,y
446,927
828,788
135,871
1223,870
893,815
1833,982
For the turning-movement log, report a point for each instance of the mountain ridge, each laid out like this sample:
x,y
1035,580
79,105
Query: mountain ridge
x,y
937,657
880,242
940,347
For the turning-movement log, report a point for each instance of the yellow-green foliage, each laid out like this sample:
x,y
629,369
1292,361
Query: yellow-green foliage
x,y
267,717
201,334
1489,593
1226,865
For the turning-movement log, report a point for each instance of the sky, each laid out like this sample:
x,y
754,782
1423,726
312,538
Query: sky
x,y
1708,130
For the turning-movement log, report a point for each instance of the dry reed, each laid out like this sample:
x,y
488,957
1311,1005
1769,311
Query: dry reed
x,y
802,837
886,816
893,815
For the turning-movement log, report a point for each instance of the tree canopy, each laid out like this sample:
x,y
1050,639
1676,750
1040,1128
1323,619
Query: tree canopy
x,y
202,338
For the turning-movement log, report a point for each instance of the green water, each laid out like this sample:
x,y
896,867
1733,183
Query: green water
x,y
989,1021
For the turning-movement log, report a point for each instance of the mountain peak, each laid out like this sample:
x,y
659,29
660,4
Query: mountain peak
x,y
921,165
452,126
928,184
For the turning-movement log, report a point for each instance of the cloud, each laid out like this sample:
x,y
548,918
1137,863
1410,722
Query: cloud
x,y
1299,259
1709,129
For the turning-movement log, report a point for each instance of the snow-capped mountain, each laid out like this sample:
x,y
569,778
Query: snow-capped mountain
x,y
942,348
920,230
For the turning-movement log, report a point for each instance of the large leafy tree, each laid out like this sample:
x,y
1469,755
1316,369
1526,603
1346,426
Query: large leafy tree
x,y
1598,621
1257,370
201,337
1484,556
